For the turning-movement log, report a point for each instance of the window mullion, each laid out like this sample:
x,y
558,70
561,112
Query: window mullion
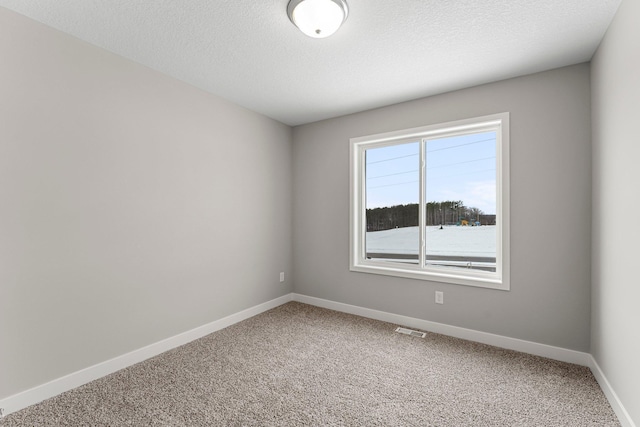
x,y
422,204
362,160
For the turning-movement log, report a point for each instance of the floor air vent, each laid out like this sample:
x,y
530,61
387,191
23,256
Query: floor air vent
x,y
411,332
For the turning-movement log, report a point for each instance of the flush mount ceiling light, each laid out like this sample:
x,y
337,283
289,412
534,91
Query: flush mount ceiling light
x,y
318,18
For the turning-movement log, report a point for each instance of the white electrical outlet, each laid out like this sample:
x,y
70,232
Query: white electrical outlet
x,y
282,276
439,297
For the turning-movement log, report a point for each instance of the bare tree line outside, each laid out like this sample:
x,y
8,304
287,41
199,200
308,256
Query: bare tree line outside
x,y
437,213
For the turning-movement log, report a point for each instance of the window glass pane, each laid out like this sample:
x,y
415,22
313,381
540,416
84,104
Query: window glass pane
x,y
392,194
461,202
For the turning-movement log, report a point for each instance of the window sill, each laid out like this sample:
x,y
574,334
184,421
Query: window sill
x,y
475,279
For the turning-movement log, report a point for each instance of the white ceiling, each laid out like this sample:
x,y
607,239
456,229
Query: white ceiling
x,y
388,51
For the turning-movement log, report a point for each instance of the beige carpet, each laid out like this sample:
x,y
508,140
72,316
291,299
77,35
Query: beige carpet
x,y
299,365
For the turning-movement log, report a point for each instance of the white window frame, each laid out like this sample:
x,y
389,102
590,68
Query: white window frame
x,y
470,277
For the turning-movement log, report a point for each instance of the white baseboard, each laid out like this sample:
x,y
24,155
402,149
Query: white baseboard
x,y
76,379
37,394
612,397
551,352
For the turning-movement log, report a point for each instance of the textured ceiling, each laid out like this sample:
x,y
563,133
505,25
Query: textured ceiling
x,y
388,51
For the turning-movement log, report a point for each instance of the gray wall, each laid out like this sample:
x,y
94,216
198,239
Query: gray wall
x,y
615,322
133,207
549,301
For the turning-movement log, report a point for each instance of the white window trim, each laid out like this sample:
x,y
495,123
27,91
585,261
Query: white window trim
x,y
357,259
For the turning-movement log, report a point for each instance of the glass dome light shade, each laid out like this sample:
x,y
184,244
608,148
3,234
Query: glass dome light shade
x,y
317,18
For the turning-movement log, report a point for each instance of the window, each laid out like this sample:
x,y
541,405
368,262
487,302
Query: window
x,y
432,203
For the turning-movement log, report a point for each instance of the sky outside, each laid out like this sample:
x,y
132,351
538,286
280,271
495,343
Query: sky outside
x,y
457,168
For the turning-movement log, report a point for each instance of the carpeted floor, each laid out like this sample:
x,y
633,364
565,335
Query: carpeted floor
x,y
299,365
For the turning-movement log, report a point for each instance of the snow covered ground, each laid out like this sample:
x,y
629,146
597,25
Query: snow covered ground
x,y
451,240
